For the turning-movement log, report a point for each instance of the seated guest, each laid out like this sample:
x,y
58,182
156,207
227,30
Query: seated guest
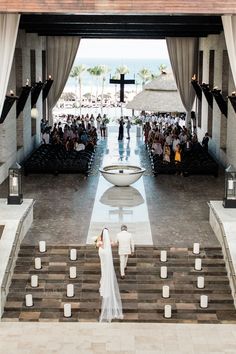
x,y
157,148
46,136
166,156
205,141
90,146
79,146
177,154
176,142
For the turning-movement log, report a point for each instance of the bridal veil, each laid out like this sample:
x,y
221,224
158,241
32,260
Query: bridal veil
x,y
111,301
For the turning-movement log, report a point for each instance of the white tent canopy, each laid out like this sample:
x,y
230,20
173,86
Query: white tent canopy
x,y
159,95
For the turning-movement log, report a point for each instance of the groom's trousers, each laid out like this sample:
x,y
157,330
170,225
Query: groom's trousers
x,y
123,263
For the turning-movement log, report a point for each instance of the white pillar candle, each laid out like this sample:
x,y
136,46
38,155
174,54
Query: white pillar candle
x,y
70,290
42,246
72,272
28,300
198,264
196,248
165,291
67,310
204,301
73,254
37,263
163,272
167,311
163,256
34,281
200,282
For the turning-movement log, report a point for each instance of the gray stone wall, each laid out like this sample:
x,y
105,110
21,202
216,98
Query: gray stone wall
x,y
222,145
16,138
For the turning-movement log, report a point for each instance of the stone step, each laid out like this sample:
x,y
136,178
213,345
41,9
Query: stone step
x,y
141,290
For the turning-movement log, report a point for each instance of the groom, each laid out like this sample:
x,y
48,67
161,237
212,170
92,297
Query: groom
x,y
125,247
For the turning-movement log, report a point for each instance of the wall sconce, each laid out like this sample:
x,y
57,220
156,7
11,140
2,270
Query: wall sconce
x,y
47,86
232,99
207,92
197,87
35,92
222,104
229,200
34,113
15,195
23,98
8,103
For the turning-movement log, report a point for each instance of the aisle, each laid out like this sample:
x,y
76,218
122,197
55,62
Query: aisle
x,y
115,206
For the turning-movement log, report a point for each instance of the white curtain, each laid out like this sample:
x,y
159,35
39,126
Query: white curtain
x,y
229,24
9,24
183,54
61,52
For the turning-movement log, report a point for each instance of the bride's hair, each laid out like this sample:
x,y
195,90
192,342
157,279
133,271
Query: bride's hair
x,y
101,236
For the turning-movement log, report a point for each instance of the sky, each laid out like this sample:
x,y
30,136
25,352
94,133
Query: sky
x,y
120,48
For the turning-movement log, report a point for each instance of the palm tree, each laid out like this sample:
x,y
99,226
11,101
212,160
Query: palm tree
x,y
96,72
76,73
145,75
104,71
122,69
162,68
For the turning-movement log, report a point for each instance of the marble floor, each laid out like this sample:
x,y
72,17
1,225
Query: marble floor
x,y
177,206
92,338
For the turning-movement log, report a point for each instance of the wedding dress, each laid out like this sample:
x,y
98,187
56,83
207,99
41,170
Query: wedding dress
x,y
109,290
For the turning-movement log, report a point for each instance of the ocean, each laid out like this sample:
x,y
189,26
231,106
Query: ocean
x,y
90,85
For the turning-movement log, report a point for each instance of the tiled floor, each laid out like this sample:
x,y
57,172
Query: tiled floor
x,y
92,338
177,206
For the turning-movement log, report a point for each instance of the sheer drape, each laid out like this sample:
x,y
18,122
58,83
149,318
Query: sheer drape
x,y
61,52
183,54
229,24
9,24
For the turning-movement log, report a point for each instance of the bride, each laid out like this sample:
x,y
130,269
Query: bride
x,y
109,290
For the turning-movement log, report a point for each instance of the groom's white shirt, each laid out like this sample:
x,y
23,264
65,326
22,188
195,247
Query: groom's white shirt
x,y
125,243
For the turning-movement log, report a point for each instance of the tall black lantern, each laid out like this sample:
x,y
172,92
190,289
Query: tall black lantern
x,y
229,200
15,195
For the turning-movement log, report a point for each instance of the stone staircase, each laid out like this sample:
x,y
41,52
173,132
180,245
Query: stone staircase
x,y
141,290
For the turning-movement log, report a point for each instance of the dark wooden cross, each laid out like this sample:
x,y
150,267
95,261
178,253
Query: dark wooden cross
x,y
122,83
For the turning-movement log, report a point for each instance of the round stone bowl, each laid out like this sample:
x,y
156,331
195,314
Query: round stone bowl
x,y
122,175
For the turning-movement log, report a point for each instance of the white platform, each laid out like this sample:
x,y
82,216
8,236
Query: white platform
x,y
224,219
10,217
227,216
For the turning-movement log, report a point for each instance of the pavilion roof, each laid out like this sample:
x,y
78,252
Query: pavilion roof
x,y
159,95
